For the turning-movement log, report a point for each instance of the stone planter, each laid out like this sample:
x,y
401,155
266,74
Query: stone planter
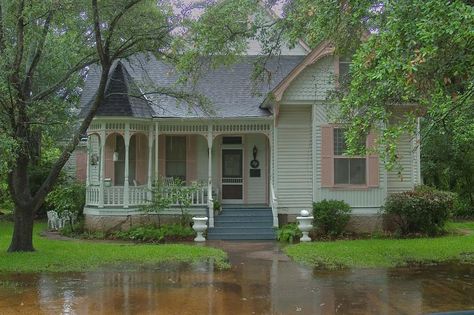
x,y
200,225
305,224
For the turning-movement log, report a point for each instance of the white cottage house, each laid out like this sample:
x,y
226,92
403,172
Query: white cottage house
x,y
264,152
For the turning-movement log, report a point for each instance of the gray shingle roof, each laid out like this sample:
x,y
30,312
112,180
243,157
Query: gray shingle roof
x,y
119,97
230,89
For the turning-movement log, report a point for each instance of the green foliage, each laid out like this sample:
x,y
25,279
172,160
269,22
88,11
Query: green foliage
x,y
216,205
165,195
289,233
414,52
69,256
378,253
424,210
448,164
68,196
152,234
331,217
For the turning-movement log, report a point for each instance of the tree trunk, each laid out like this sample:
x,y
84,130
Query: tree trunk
x,y
22,239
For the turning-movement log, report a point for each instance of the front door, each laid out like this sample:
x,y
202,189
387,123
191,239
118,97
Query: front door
x,y
232,176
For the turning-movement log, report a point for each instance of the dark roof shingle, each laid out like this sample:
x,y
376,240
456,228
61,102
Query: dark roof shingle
x,y
230,89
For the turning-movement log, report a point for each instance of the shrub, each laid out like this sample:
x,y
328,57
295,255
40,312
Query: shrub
x,y
463,209
152,233
424,210
68,197
289,233
331,216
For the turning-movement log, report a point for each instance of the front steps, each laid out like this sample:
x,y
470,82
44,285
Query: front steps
x,y
243,223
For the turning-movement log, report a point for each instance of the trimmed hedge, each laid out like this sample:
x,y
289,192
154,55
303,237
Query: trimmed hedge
x,y
331,217
424,210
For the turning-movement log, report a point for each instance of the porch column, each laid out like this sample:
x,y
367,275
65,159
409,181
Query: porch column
x,y
88,148
156,152
150,156
127,154
102,166
273,198
210,202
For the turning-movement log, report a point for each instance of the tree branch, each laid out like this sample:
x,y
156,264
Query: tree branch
x,y
98,35
37,55
47,185
114,23
84,62
20,33
2,31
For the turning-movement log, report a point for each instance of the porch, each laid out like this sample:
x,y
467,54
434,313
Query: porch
x,y
231,160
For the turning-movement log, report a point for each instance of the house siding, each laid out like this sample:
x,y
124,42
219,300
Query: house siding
x,y
404,177
366,200
294,172
256,187
313,83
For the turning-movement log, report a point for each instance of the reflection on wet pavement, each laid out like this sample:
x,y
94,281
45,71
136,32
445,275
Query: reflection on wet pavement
x,y
261,281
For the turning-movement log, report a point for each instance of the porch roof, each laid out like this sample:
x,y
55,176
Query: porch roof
x,y
229,89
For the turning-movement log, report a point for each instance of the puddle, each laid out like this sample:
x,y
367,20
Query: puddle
x,y
261,281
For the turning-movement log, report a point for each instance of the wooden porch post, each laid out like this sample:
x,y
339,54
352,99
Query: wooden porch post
x,y
156,152
210,202
102,165
88,148
127,154
150,156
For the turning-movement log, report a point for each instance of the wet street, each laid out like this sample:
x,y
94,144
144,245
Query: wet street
x,y
262,281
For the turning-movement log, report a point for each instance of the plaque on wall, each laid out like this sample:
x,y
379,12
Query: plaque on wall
x,y
255,172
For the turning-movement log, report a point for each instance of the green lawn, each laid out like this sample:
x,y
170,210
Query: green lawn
x,y
62,256
388,252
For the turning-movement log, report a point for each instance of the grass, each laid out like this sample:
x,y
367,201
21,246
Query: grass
x,y
67,256
375,253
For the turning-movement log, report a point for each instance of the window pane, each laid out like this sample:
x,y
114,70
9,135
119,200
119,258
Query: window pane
x,y
339,141
344,76
176,157
341,171
357,171
231,140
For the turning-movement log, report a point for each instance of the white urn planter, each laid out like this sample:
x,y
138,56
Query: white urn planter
x,y
305,224
200,225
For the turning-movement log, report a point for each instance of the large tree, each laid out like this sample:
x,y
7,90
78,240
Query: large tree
x,y
404,52
46,48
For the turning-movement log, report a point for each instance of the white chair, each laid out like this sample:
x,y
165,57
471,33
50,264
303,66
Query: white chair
x,y
53,220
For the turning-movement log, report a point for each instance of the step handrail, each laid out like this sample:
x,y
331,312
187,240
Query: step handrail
x,y
274,205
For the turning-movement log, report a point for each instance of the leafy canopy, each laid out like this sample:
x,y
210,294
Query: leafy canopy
x,y
410,57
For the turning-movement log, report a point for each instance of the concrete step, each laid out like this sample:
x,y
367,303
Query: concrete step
x,y
241,236
246,209
245,214
261,224
241,230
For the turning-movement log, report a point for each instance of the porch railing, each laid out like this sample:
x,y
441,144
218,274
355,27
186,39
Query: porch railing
x,y
113,196
138,195
197,198
92,195
274,205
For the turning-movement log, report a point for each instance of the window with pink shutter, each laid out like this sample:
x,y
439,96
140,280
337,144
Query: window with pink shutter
x,y
338,169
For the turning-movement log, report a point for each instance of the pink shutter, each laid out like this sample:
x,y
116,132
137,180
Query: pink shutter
x,y
327,156
191,170
373,162
161,156
81,165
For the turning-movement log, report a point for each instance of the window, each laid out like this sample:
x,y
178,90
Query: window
x,y
344,75
231,140
176,157
347,170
